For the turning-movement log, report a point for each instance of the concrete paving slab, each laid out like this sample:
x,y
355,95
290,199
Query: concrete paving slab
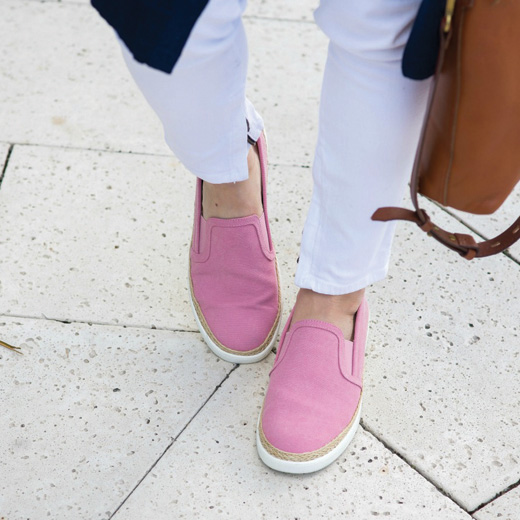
x,y
213,471
443,365
290,190
71,88
297,11
90,409
506,507
492,225
65,83
95,236
285,83
472,475
104,237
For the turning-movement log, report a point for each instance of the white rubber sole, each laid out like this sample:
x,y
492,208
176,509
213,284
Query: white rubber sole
x,y
228,356
290,466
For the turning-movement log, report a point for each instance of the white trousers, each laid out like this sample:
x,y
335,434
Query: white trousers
x,y
369,123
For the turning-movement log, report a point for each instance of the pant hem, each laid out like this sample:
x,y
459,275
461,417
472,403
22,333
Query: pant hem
x,y
216,178
322,287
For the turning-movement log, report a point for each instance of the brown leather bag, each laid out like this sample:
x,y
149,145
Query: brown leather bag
x,y
469,149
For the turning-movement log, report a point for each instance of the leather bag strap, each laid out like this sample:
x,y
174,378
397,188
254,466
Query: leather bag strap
x,y
464,244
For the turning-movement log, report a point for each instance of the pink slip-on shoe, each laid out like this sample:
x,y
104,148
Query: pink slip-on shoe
x,y
234,280
313,402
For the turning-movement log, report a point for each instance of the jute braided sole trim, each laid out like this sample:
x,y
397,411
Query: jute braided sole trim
x,y
308,455
204,324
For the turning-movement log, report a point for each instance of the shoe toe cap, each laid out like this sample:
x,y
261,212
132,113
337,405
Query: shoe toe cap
x,y
302,428
240,329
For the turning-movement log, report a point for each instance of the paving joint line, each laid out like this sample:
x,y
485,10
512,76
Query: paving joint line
x,y
127,152
6,162
97,323
93,149
390,448
215,390
275,19
497,496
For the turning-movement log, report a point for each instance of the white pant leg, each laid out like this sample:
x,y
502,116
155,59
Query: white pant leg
x,y
202,103
370,117
369,126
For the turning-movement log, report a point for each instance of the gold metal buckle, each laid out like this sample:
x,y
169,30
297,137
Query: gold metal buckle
x,y
448,15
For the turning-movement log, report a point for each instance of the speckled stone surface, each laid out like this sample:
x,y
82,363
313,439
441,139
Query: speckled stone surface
x,y
444,363
213,471
298,11
492,225
89,410
105,236
289,191
71,87
79,215
287,96
507,507
71,59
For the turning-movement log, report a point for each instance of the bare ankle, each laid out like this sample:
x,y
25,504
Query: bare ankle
x,y
336,309
346,303
235,199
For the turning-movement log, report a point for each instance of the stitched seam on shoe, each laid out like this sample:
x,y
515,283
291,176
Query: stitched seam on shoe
x,y
269,255
288,339
290,335
308,455
208,331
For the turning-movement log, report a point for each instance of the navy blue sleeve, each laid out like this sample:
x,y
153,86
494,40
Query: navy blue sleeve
x,y
155,31
422,48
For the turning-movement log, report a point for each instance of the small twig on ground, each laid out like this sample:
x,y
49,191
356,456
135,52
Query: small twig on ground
x,y
10,347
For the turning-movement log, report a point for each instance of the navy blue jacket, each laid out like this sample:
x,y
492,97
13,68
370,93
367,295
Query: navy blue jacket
x,y
155,31
422,48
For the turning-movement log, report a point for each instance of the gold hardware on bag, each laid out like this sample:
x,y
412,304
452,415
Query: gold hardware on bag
x,y
448,15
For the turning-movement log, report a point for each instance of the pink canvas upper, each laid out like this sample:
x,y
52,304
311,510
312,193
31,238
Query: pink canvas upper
x,y
234,274
315,384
